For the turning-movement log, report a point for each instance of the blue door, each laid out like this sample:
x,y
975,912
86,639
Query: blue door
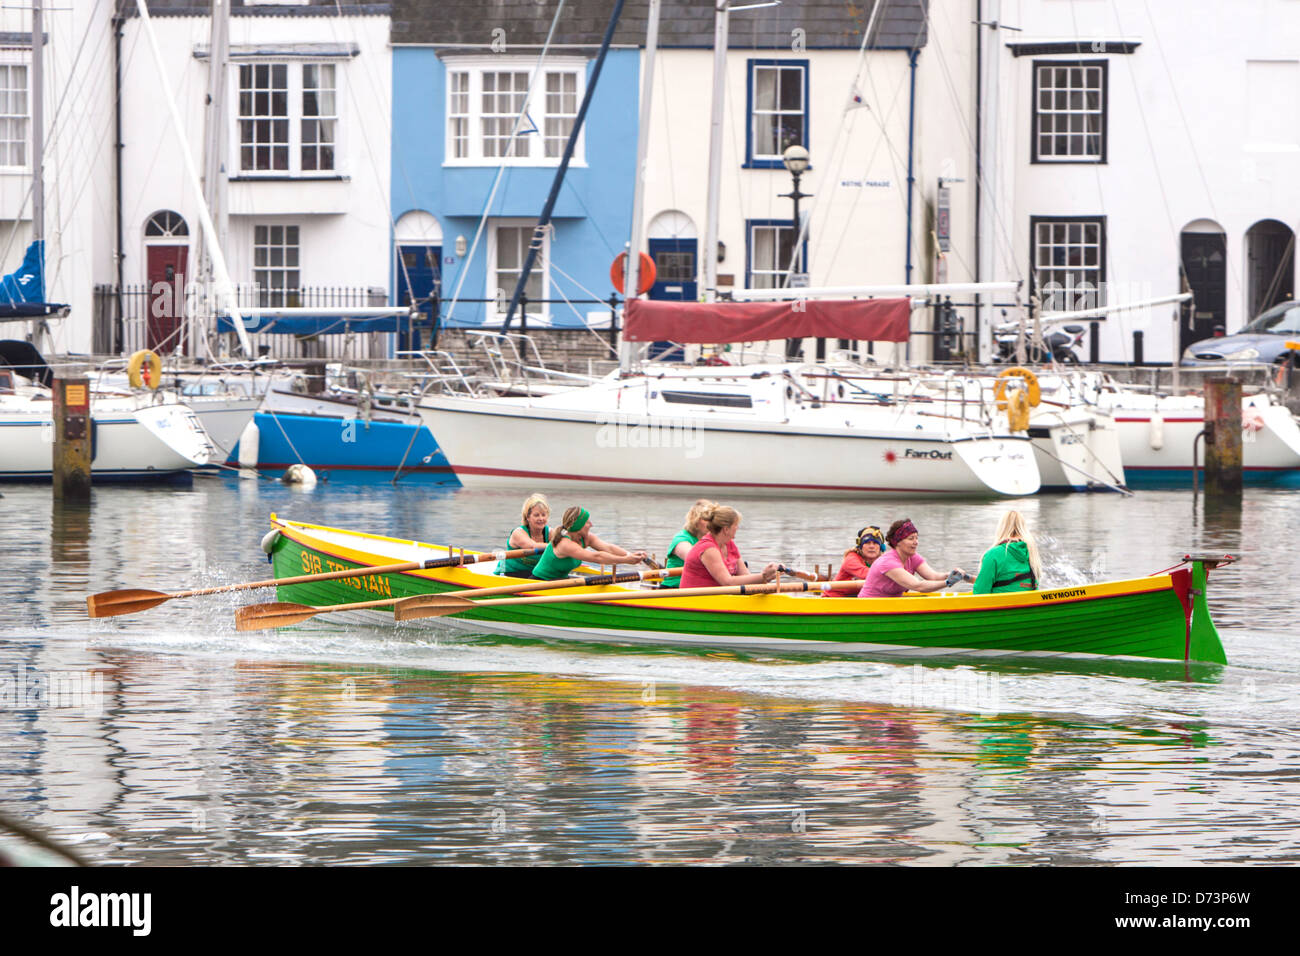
x,y
418,278
675,281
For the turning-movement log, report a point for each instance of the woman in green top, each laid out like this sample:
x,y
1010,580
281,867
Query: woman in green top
x,y
534,532
1012,564
695,528
573,543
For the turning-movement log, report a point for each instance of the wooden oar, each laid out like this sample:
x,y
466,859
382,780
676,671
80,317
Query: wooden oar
x,y
256,617
440,605
133,600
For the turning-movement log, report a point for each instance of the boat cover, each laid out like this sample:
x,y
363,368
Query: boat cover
x,y
22,292
872,320
271,322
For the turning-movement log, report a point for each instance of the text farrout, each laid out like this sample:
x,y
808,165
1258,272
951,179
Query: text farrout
x,y
75,908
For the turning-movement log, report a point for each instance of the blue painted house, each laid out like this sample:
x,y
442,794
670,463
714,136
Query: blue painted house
x,y
468,183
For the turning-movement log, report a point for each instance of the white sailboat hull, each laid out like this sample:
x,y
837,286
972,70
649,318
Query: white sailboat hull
x,y
1157,437
495,445
151,442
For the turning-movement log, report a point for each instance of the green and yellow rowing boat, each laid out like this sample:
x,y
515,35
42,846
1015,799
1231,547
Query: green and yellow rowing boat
x,y
1163,616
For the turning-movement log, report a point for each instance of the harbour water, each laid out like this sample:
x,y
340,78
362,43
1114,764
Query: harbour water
x,y
169,738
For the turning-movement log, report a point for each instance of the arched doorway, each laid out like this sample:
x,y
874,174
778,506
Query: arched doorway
x,y
167,247
673,244
1203,271
417,237
1270,266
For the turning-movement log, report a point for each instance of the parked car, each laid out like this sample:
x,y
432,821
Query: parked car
x,y
1263,341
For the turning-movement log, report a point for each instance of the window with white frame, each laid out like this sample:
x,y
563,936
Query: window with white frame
x,y
288,121
771,245
1069,112
507,253
778,109
14,115
1069,262
275,265
492,120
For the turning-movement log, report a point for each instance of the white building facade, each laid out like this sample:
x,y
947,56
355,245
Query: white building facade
x,y
307,133
1144,150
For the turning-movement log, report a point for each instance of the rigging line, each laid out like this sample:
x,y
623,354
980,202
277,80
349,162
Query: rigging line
x,y
1187,129
801,234
86,181
384,120
1002,238
52,123
1151,148
581,318
882,122
501,167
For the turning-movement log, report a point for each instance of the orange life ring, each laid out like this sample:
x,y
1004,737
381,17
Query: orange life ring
x,y
142,375
1031,381
645,276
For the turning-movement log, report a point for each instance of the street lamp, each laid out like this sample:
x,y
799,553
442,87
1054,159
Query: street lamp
x,y
795,158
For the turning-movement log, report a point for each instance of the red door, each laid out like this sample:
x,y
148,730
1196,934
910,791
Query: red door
x,y
166,276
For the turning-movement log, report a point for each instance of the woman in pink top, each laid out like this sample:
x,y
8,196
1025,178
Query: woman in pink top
x,y
902,569
715,559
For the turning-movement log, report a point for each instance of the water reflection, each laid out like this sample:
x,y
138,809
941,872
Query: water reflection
x,y
338,745
301,763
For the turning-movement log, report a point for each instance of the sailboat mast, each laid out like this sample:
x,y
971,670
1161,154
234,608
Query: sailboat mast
x,y
720,27
633,273
224,289
214,145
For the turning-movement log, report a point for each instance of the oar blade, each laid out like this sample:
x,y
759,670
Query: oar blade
x,y
261,617
127,601
430,605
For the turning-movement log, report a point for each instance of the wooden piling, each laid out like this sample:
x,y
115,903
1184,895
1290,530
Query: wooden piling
x,y
72,438
1223,437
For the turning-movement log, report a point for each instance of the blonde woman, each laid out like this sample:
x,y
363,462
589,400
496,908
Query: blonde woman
x,y
1012,564
715,559
533,532
692,531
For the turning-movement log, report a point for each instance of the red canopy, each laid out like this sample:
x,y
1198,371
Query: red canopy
x,y
874,320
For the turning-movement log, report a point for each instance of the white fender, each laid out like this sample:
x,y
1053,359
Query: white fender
x,y
1157,435
249,439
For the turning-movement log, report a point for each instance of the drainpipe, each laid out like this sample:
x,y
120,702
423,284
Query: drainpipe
x,y
911,142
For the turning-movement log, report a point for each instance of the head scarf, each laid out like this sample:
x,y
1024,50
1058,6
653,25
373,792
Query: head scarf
x,y
871,533
906,530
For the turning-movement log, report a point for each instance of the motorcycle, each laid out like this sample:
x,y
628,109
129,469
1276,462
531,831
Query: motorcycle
x,y
1060,342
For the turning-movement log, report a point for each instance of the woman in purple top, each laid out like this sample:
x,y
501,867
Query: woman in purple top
x,y
902,569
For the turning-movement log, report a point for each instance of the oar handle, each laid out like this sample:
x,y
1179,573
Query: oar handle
x,y
454,561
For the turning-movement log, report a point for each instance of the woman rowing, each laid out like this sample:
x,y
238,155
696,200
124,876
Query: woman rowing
x,y
902,569
1012,563
680,547
715,559
533,532
573,543
859,558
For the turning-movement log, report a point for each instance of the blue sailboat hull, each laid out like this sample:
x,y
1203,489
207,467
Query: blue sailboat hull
x,y
347,445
